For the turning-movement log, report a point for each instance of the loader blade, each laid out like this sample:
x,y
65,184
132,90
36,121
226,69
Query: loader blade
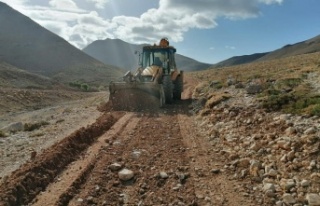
x,y
136,96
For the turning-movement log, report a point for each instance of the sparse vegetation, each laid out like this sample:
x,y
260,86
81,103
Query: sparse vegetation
x,y
33,126
2,134
285,82
79,85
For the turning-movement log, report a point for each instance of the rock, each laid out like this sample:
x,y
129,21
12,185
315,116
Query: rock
x,y
269,186
270,193
272,173
254,88
288,199
283,158
125,174
291,155
287,184
215,171
256,146
13,127
290,131
313,199
310,130
254,168
177,187
305,183
283,144
243,173
115,167
244,163
163,175
33,155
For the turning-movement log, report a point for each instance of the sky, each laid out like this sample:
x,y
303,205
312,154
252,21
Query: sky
x,y
209,31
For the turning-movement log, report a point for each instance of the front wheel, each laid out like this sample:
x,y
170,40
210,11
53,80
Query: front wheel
x,y
162,97
168,89
178,88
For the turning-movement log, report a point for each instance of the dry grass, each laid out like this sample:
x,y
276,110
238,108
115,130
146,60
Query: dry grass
x,y
291,67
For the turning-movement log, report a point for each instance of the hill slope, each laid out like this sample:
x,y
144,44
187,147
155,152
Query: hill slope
x,y
309,46
239,60
122,54
13,77
28,46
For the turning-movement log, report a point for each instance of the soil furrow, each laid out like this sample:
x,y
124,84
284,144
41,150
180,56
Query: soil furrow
x,y
60,192
29,180
154,151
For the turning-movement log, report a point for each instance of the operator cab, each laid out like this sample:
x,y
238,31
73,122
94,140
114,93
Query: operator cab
x,y
159,56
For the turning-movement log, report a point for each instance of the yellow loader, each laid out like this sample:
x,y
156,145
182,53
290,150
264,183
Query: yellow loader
x,y
155,83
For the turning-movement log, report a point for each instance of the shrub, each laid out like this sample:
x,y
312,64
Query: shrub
x,y
2,134
33,126
85,87
277,102
316,110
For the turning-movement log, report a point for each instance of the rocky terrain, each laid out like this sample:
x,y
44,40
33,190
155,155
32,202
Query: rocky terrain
x,y
220,147
277,153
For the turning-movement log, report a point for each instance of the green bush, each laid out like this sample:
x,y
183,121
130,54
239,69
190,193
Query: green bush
x,y
315,110
288,83
84,87
2,134
277,102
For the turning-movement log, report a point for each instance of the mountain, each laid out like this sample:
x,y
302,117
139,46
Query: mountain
x,y
28,46
305,47
114,52
188,64
239,60
122,54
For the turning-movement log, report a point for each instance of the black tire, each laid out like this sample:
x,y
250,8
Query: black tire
x,y
162,97
178,88
168,89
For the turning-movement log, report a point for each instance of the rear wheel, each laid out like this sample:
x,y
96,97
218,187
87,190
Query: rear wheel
x,y
167,88
178,86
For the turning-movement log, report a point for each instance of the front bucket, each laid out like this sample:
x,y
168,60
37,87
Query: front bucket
x,y
135,96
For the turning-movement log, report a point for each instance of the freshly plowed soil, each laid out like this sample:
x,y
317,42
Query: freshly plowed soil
x,y
171,164
26,182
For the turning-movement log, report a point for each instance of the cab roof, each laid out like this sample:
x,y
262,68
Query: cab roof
x,y
159,48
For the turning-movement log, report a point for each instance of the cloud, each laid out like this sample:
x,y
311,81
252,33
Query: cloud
x,y
171,19
99,4
230,47
64,5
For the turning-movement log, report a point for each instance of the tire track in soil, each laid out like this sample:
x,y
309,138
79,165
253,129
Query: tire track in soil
x,y
29,180
171,162
153,146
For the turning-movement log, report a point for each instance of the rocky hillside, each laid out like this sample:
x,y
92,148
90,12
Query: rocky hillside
x,y
28,46
122,54
262,119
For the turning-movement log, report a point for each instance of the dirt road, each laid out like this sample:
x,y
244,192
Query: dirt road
x,y
166,160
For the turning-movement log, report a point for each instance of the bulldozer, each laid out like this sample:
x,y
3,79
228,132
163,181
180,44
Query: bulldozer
x,y
154,84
